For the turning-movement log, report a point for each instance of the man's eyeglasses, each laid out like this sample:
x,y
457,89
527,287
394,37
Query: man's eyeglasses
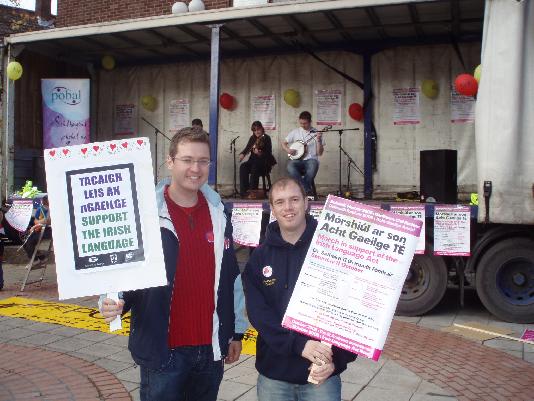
x,y
189,162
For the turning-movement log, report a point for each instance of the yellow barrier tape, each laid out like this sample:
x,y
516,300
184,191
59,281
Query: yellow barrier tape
x,y
82,317
69,315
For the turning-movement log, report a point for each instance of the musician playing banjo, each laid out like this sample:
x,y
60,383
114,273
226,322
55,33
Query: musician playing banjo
x,y
304,145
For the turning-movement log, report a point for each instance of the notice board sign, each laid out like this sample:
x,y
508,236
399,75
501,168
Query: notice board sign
x,y
105,229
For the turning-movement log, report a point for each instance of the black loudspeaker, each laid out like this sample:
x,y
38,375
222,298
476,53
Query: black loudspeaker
x,y
438,174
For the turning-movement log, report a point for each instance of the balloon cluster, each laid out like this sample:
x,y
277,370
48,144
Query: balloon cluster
x,y
227,101
149,102
292,97
14,70
108,62
467,84
356,111
430,88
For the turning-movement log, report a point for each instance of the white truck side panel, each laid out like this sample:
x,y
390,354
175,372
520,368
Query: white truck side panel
x,y
505,112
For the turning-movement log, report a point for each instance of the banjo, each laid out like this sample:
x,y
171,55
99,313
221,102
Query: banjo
x,y
301,146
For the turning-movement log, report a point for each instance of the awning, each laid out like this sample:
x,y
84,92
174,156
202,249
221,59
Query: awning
x,y
353,25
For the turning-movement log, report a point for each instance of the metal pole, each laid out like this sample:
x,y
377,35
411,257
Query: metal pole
x,y
368,128
214,100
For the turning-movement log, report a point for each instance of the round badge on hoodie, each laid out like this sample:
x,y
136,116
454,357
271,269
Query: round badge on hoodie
x,y
267,271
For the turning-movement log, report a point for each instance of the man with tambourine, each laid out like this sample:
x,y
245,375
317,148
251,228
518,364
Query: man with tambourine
x,y
304,145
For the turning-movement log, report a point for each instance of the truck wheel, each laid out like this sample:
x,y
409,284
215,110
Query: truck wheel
x,y
505,280
424,286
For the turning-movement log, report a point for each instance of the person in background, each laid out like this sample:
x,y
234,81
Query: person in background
x,y
197,123
259,163
284,357
182,333
305,169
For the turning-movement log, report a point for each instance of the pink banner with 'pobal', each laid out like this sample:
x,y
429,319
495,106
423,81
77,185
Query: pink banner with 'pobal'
x,y
65,112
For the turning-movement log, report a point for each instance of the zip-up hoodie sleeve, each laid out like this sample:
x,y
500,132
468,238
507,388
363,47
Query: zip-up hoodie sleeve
x,y
264,317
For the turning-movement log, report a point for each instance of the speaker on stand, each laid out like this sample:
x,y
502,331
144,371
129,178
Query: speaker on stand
x,y
438,176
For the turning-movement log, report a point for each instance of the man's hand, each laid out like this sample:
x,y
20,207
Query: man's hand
x,y
321,373
317,353
292,152
234,350
241,157
111,309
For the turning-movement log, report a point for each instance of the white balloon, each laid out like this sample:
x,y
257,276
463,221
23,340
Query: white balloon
x,y
179,7
196,5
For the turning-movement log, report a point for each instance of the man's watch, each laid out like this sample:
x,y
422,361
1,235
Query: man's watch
x,y
238,336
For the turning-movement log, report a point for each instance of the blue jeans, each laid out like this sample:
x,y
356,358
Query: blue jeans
x,y
304,171
276,390
190,375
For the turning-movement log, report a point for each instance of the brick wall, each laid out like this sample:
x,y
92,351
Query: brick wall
x,y
81,12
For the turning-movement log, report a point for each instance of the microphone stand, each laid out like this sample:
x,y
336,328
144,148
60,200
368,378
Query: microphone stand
x,y
350,163
233,151
340,132
156,132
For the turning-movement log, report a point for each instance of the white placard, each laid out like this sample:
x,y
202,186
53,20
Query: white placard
x,y
264,110
328,106
246,221
19,214
179,115
462,108
315,210
452,230
106,225
352,276
417,212
406,106
125,119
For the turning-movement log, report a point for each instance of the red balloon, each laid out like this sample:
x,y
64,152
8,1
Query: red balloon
x,y
226,101
356,111
466,85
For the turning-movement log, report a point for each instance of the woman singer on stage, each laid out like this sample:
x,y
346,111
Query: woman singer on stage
x,y
261,159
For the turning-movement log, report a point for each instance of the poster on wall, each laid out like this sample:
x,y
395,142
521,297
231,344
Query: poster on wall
x,y
179,115
108,227
462,108
328,106
264,110
246,220
406,109
452,232
124,119
352,277
65,112
416,212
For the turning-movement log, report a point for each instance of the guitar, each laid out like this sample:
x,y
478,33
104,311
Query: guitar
x,y
302,146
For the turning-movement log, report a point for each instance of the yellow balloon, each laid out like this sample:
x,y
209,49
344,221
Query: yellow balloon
x,y
14,70
478,73
430,88
108,62
149,102
292,97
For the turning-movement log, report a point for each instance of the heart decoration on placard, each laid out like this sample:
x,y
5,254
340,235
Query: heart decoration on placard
x,y
52,153
112,146
125,145
84,150
140,142
96,148
65,151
